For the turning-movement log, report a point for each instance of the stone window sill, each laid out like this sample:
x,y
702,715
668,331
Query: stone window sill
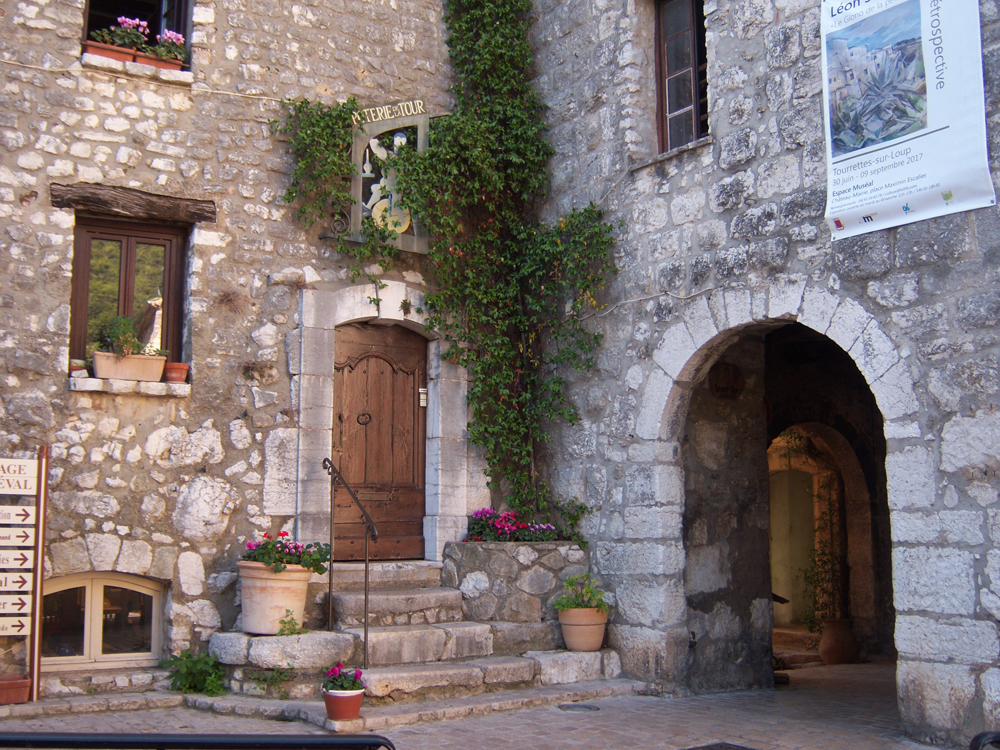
x,y
137,70
706,141
134,387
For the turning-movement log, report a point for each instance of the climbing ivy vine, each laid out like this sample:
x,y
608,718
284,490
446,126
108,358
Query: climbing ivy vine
x,y
510,290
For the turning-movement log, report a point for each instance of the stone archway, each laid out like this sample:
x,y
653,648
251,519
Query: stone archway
x,y
447,469
655,639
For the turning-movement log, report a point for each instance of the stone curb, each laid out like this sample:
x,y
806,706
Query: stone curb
x,y
89,704
380,718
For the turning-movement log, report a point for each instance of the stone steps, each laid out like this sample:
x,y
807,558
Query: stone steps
x,y
377,718
387,607
417,644
396,574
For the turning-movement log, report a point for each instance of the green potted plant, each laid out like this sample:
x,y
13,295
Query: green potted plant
x,y
343,692
274,579
125,357
583,614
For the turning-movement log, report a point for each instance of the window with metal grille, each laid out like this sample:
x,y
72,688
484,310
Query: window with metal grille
x,y
682,72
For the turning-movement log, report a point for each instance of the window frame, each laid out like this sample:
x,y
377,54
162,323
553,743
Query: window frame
x,y
698,54
129,234
179,14
93,584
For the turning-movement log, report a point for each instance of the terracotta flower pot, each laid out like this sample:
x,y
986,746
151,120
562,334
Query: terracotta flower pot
x,y
176,372
14,688
583,629
124,54
267,595
837,644
158,62
343,705
132,367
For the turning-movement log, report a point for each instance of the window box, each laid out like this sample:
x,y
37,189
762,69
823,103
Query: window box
x,y
139,367
123,54
158,62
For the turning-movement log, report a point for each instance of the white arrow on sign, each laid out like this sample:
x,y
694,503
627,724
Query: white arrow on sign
x,y
16,581
14,536
15,625
18,604
17,514
17,559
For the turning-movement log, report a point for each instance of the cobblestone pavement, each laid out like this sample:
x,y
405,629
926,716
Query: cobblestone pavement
x,y
829,708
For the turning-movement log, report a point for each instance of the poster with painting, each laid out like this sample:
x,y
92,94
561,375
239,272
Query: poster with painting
x,y
904,114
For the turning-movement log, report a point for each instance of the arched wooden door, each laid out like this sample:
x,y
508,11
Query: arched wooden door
x,y
378,439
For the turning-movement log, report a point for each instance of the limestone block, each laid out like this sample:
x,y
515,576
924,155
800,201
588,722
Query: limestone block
x,y
933,697
639,558
662,522
651,604
536,581
971,441
280,464
654,401
103,549
676,347
239,434
403,645
738,306
164,560
135,557
894,392
707,568
935,580
313,650
873,352
203,508
517,637
412,678
519,608
910,478
990,683
566,667
848,323
511,670
467,639
172,446
204,614
475,584
87,503
191,572
955,640
315,402
69,557
785,296
945,527
611,664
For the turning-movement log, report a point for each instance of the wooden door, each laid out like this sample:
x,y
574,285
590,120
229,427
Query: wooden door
x,y
378,440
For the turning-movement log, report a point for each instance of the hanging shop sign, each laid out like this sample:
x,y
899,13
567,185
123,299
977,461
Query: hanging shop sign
x,y
904,112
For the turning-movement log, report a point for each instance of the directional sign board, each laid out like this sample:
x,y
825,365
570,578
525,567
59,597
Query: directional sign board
x,y
17,514
17,559
17,582
15,625
17,604
18,476
16,537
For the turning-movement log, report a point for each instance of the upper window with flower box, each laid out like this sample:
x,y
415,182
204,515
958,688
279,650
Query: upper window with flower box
x,y
153,33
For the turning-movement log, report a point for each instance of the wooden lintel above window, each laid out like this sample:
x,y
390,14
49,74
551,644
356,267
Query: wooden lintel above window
x,y
131,204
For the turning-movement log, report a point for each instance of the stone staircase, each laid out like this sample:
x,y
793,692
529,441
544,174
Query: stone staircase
x,y
420,646
794,647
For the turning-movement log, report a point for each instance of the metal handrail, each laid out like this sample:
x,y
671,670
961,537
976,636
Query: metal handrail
x,y
151,741
371,533
984,740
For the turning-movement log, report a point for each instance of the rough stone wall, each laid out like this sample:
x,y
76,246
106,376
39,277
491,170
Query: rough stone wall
x,y
726,235
727,578
168,482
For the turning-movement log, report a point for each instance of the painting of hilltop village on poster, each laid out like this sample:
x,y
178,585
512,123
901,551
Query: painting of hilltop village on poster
x,y
905,118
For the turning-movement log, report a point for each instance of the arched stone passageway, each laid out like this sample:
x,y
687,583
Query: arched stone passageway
x,y
693,624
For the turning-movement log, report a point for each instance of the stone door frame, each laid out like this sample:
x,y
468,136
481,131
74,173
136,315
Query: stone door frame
x,y
447,470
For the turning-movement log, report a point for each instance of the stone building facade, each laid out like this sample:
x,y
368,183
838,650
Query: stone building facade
x,y
883,346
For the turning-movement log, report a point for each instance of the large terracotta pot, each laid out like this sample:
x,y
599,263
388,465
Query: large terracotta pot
x,y
133,367
267,595
583,629
14,688
837,644
343,705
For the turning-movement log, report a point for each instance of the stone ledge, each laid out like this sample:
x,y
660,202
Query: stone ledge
x,y
137,70
80,704
133,387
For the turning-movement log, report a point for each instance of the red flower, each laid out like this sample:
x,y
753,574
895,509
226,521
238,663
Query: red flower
x,y
281,533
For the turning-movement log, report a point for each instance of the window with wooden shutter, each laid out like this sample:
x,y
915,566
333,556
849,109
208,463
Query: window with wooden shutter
x,y
682,72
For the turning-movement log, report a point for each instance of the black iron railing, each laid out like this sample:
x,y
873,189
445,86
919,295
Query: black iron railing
x,y
371,533
95,741
984,740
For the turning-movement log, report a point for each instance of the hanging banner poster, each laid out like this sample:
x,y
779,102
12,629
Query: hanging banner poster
x,y
904,113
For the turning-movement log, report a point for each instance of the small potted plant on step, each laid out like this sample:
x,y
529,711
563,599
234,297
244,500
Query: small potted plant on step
x,y
343,692
583,614
126,357
274,580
